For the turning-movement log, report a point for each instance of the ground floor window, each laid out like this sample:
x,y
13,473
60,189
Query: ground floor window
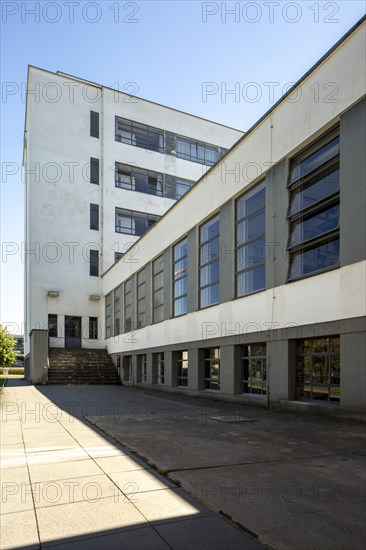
x,y
318,369
143,367
212,368
254,369
160,368
182,368
127,368
52,325
93,328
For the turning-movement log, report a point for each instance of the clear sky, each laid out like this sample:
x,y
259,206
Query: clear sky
x,y
183,54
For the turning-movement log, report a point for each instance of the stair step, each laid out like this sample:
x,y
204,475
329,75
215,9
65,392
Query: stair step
x,y
81,366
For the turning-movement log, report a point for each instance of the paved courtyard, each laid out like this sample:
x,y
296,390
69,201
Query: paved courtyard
x,y
124,467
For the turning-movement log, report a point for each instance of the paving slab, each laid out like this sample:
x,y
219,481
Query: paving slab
x,y
19,530
63,470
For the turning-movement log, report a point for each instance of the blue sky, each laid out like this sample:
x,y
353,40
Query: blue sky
x,y
171,52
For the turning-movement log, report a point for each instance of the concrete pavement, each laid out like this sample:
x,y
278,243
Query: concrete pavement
x,y
64,484
296,481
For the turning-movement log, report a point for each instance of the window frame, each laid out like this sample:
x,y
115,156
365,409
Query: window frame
x,y
108,315
53,331
94,211
93,328
133,215
250,357
179,359
318,243
239,247
127,305
133,128
160,289
94,171
94,124
202,266
132,172
208,359
141,298
93,262
176,279
195,144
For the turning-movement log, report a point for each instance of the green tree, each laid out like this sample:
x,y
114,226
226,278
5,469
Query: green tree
x,y
7,353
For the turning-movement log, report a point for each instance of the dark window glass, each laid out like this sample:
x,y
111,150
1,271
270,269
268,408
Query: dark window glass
x,y
141,299
94,171
158,290
209,262
197,152
254,369
313,212
318,369
94,263
181,187
117,256
250,242
139,135
108,315
52,325
128,306
117,312
180,284
93,328
94,216
134,223
138,179
212,368
94,124
182,368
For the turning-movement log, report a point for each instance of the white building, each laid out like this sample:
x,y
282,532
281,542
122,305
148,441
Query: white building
x,y
101,168
252,287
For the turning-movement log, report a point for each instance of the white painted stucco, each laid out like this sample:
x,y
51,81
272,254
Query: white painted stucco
x,y
58,148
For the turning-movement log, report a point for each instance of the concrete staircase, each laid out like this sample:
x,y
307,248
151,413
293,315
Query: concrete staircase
x,y
81,366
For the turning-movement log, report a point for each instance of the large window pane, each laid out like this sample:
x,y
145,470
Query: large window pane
x,y
317,258
313,226
310,195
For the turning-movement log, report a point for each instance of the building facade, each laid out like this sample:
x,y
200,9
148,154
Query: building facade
x,y
101,167
252,287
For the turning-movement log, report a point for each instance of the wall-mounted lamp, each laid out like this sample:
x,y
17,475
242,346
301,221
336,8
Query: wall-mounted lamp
x,y
53,293
94,297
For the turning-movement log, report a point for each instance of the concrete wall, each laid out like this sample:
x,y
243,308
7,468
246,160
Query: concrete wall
x,y
38,372
58,192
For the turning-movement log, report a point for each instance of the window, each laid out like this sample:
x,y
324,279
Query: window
x,y
250,242
138,179
141,299
209,262
195,151
52,325
94,263
117,312
139,135
117,256
158,290
94,124
134,223
182,186
127,368
108,315
180,266
93,328
182,368
319,369
159,358
212,368
143,366
94,171
313,213
128,306
254,369
94,216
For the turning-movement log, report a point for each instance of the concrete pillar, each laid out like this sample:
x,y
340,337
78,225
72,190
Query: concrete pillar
x,y
353,371
39,356
150,368
230,369
196,378
279,378
170,375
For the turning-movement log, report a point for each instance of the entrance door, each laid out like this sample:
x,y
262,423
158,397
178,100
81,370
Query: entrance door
x,y
72,332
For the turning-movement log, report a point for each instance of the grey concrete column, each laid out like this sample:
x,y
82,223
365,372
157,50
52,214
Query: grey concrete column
x,y
148,288
167,284
196,379
276,225
227,252
192,270
39,356
150,378
279,378
352,185
169,376
353,371
229,367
